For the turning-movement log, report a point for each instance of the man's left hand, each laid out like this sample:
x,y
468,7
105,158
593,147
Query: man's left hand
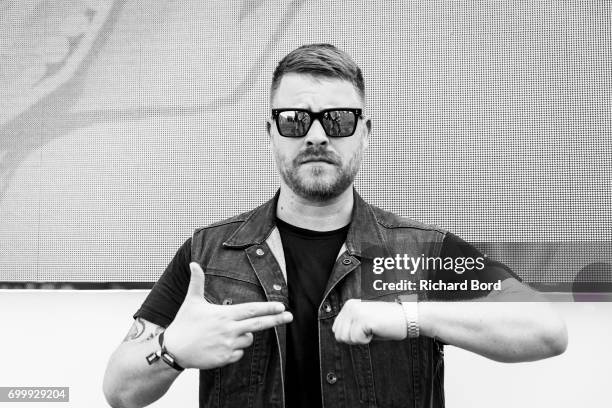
x,y
358,322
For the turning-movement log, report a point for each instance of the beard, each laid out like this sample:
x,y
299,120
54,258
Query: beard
x,y
318,181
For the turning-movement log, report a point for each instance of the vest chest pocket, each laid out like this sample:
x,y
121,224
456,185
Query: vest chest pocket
x,y
224,287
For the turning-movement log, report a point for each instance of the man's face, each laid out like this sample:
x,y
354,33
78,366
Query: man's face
x,y
317,167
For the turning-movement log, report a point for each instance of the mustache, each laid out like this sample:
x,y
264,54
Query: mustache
x,y
318,154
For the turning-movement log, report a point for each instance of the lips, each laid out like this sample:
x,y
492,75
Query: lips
x,y
318,154
317,159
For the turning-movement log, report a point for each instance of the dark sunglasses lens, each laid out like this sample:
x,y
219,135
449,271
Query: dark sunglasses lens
x,y
339,123
293,123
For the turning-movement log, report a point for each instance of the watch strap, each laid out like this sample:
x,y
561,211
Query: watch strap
x,y
167,356
164,354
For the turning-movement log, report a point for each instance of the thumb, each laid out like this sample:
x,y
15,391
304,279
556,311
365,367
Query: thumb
x,y
196,282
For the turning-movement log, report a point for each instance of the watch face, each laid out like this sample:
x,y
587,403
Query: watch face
x,y
168,358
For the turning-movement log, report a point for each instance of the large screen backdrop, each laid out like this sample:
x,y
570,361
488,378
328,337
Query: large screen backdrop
x,y
125,125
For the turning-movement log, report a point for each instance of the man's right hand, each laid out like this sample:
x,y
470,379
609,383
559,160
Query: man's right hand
x,y
204,335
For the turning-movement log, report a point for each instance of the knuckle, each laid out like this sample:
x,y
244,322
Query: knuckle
x,y
228,343
227,356
228,331
258,325
219,359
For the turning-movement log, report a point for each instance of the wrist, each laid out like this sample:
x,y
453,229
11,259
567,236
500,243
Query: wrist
x,y
410,308
425,326
167,356
172,343
164,355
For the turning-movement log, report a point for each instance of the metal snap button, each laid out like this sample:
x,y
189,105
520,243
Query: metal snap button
x,y
227,301
259,251
331,377
347,261
327,307
276,286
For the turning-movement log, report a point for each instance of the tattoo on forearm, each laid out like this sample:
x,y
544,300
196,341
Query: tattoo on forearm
x,y
156,333
136,330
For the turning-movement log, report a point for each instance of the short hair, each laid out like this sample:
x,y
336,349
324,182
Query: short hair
x,y
319,61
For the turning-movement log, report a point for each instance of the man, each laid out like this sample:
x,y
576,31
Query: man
x,y
222,304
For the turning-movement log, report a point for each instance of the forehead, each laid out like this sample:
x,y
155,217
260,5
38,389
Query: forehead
x,y
315,93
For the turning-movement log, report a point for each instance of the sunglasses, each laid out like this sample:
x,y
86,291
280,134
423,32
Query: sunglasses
x,y
337,122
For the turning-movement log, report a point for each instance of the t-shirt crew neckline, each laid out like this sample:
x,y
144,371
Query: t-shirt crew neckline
x,y
307,233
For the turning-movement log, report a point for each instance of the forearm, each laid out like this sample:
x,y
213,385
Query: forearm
x,y
501,331
130,381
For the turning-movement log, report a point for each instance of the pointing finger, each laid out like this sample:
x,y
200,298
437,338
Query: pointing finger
x,y
263,322
253,309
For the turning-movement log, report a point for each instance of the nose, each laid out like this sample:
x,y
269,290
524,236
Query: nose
x,y
316,135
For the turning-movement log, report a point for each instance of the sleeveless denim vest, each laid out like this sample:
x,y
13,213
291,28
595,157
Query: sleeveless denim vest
x,y
243,260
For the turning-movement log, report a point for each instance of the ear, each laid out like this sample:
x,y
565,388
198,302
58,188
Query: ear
x,y
268,127
368,130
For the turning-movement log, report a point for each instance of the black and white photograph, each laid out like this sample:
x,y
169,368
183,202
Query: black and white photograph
x,y
305,204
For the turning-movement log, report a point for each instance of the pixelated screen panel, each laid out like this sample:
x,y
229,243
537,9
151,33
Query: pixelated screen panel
x,y
125,125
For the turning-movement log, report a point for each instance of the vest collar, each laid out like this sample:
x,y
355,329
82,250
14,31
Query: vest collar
x,y
364,232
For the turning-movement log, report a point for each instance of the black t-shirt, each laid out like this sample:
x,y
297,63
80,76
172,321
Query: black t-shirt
x,y
310,257
457,249
166,297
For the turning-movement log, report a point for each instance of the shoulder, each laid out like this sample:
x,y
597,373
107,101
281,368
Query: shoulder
x,y
223,229
236,220
389,220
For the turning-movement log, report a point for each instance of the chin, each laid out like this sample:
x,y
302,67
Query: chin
x,y
318,182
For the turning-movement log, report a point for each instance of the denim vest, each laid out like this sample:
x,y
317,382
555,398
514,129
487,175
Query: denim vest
x,y
243,260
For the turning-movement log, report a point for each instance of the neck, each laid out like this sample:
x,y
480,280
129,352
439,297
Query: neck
x,y
313,215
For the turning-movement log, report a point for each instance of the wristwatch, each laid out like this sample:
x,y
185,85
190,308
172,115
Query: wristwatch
x,y
411,313
164,355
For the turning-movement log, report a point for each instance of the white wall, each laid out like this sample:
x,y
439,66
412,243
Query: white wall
x,y
64,338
